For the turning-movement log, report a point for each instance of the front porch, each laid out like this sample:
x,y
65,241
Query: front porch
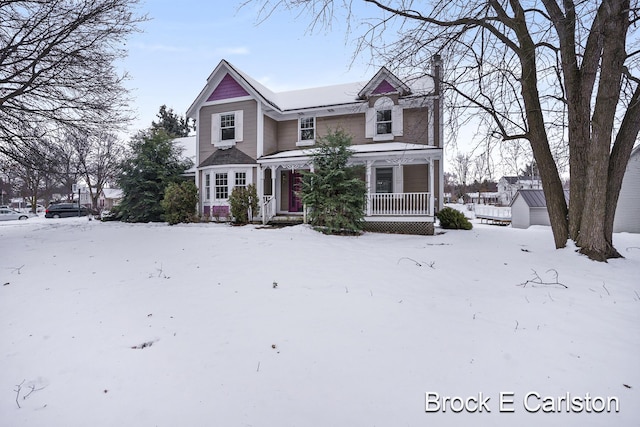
x,y
401,180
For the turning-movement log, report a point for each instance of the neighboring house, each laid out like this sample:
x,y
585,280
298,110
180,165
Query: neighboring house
x,y
529,207
628,210
508,186
484,198
109,197
247,134
188,146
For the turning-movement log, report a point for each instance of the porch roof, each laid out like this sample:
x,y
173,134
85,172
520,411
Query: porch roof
x,y
393,149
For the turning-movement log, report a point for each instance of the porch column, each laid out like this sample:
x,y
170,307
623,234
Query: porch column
x,y
261,193
368,183
431,189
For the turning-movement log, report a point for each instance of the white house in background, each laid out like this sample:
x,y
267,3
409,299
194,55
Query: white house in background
x,y
508,186
529,207
628,210
188,146
247,134
109,197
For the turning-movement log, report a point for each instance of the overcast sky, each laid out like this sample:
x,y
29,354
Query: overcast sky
x,y
182,43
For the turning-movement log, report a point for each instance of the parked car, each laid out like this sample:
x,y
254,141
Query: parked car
x,y
7,214
64,210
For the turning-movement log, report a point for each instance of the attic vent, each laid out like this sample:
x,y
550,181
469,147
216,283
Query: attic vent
x,y
331,110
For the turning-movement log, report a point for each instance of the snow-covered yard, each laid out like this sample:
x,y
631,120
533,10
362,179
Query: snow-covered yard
x,y
112,324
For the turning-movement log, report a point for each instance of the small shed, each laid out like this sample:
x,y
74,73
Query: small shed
x,y
628,210
529,207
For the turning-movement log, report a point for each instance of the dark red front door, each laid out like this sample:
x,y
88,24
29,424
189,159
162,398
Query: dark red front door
x,y
295,186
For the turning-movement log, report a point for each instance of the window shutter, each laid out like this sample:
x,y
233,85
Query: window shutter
x,y
397,119
370,123
239,125
215,128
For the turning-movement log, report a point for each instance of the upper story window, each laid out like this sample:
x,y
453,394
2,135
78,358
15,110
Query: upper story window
x,y
384,120
306,131
226,128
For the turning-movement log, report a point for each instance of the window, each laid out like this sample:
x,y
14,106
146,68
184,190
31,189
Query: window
x,y
207,187
384,180
241,179
383,122
227,127
307,128
222,187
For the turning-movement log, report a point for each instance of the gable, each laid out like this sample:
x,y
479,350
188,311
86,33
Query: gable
x,y
227,88
384,87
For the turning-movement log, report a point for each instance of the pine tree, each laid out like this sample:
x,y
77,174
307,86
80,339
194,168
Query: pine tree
x,y
333,193
154,163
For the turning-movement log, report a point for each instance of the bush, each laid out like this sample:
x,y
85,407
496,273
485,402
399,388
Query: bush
x,y
244,204
179,203
453,219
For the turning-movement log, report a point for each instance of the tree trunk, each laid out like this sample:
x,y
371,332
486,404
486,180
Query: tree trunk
x,y
592,240
551,184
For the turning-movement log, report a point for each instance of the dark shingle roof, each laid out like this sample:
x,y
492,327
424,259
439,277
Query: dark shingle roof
x,y
230,156
535,198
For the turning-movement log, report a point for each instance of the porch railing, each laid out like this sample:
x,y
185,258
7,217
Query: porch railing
x,y
269,210
398,204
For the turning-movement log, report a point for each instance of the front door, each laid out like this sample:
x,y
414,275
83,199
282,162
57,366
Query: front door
x,y
295,186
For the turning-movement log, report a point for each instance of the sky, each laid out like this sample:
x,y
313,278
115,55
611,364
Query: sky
x,y
181,44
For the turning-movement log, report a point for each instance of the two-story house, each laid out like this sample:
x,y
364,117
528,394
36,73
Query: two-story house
x,y
247,134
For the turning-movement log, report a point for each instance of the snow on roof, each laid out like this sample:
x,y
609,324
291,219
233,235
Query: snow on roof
x,y
385,147
112,193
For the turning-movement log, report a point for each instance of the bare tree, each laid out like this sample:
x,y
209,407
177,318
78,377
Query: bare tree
x,y
99,157
57,68
557,74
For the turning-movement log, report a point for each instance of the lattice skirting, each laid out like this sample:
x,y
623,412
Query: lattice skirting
x,y
420,228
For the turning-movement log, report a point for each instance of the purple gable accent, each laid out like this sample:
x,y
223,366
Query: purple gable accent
x,y
227,88
384,87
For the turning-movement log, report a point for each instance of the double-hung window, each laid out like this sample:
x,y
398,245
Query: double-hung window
x,y
383,121
241,179
226,128
222,186
307,128
384,180
207,187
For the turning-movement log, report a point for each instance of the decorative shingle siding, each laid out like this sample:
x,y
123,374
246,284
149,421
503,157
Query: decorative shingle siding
x,y
227,89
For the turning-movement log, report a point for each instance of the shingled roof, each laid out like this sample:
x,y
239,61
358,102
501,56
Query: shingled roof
x,y
230,156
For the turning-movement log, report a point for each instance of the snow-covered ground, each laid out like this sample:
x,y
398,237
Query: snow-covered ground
x,y
112,324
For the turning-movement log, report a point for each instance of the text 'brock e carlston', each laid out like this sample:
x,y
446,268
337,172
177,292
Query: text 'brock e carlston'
x,y
531,402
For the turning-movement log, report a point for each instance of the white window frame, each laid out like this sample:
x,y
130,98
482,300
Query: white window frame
x,y
240,179
216,129
306,142
371,119
207,186
219,185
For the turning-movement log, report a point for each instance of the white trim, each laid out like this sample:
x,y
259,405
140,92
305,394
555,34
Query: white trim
x,y
227,101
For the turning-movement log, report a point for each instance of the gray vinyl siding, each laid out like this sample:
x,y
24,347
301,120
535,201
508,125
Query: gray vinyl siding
x,y
352,124
415,125
416,178
287,135
270,136
628,210
539,216
248,145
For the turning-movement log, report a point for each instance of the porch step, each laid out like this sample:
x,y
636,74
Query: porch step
x,y
286,220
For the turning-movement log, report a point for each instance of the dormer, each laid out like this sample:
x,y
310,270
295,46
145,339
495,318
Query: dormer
x,y
384,117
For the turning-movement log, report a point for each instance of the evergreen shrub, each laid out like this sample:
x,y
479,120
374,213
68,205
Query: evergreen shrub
x,y
453,219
